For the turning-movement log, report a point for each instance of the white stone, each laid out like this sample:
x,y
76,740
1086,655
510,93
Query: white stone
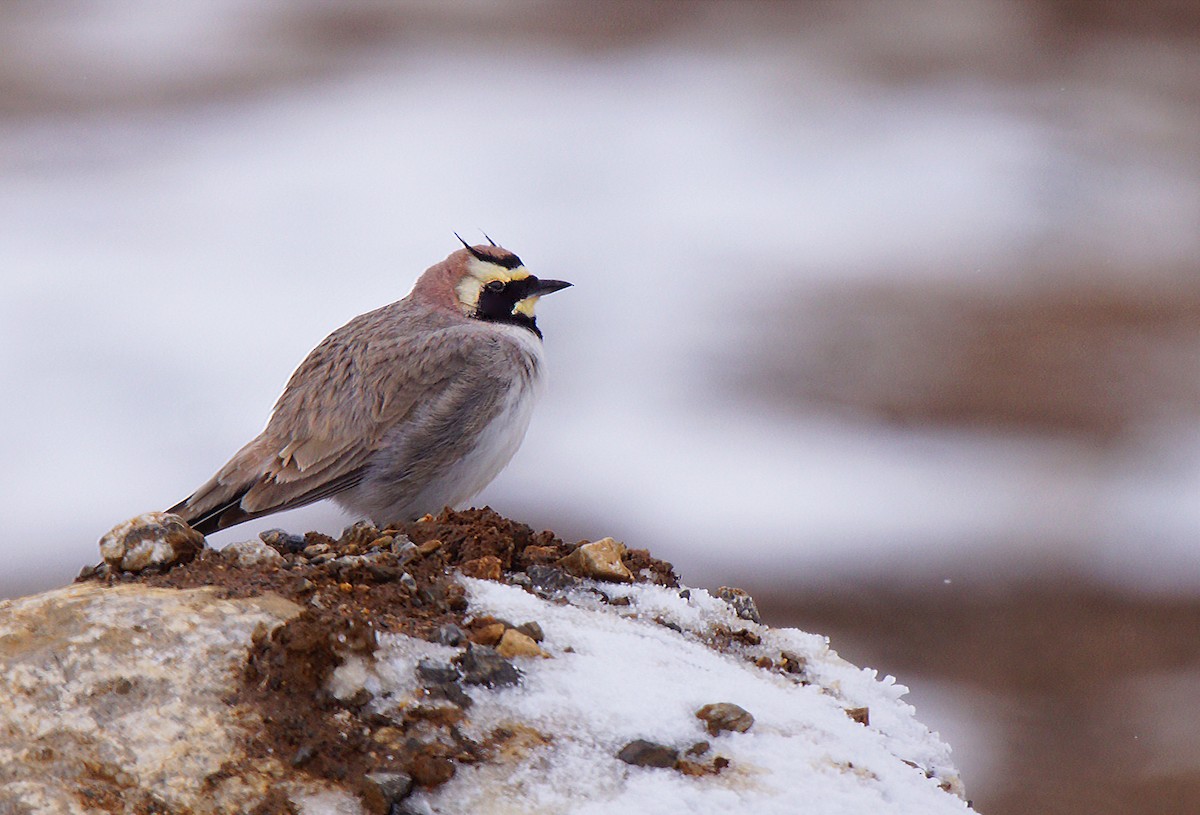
x,y
253,553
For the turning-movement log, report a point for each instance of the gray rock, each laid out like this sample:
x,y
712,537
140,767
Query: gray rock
x,y
404,549
481,665
439,673
532,630
550,580
642,753
449,634
282,542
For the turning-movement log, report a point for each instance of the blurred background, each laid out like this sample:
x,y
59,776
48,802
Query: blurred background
x,y
888,313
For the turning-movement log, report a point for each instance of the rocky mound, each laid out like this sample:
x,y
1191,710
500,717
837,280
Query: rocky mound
x,y
460,663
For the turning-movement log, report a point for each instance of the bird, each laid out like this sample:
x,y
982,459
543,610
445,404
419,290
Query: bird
x,y
407,409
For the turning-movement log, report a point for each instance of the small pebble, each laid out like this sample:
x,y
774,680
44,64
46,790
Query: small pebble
x,y
742,603
515,644
488,567
488,634
642,753
429,547
281,541
383,790
153,539
449,634
521,580
722,716
791,663
481,665
87,572
532,630
429,767
404,549
359,533
248,554
549,580
599,560
438,673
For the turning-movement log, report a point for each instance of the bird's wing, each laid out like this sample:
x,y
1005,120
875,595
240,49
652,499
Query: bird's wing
x,y
357,387
342,401
324,423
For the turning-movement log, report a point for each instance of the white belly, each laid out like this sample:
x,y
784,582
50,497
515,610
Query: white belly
x,y
498,443
386,495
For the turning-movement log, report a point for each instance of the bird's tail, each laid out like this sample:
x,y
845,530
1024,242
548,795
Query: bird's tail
x,y
218,502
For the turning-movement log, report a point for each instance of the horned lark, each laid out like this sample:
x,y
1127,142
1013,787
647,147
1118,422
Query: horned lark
x,y
402,411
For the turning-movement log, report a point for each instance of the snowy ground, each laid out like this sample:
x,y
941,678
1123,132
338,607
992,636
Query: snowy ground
x,y
615,676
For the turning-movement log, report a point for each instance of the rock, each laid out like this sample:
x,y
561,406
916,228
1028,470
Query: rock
x,y
725,716
154,539
439,673
481,665
516,644
405,550
360,533
126,688
791,663
489,634
313,550
251,553
599,560
157,693
741,601
862,715
547,581
282,542
429,547
430,766
532,630
487,567
642,753
383,790
449,634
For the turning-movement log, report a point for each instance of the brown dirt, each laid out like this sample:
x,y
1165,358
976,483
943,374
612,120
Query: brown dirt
x,y
347,603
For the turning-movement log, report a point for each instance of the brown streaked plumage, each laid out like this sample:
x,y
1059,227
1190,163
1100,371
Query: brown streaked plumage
x,y
403,410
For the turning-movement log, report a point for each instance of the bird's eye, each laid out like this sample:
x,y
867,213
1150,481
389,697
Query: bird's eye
x,y
495,286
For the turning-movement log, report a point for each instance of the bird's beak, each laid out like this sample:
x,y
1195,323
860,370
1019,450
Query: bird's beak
x,y
535,288
539,288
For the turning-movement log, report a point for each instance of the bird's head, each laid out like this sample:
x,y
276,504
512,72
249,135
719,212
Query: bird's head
x,y
490,283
